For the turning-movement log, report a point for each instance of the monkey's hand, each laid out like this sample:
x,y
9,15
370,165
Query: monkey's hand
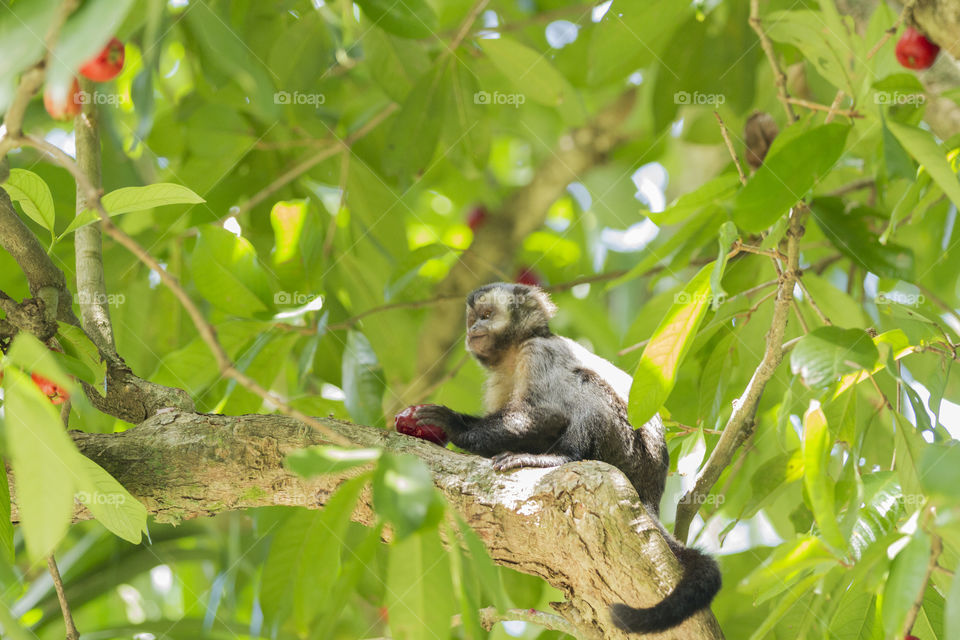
x,y
509,460
444,417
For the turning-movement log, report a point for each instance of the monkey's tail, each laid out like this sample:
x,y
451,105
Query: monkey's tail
x,y
697,587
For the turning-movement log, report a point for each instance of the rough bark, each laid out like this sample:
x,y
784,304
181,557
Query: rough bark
x,y
580,526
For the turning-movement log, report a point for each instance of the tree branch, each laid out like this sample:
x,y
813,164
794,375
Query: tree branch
x,y
580,526
780,79
740,424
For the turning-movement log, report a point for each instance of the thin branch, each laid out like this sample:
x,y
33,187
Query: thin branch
x,y
936,548
740,424
856,185
892,31
834,106
937,300
831,110
295,172
780,78
813,303
803,323
490,617
478,6
729,143
71,628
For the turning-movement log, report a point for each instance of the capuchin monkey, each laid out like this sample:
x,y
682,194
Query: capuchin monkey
x,y
550,401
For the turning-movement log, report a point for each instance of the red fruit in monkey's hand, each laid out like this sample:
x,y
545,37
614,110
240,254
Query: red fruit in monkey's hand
x,y
107,64
914,51
406,423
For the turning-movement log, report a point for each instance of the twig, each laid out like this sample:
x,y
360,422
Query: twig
x,y
757,250
889,33
740,423
780,79
936,547
752,310
834,106
71,628
465,26
800,318
856,185
324,154
489,617
813,303
729,143
816,106
937,300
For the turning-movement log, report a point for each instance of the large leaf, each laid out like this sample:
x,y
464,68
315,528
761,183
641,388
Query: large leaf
x,y
34,196
825,354
907,577
788,172
817,442
410,18
43,460
531,72
129,199
656,372
419,588
109,502
920,144
363,383
228,274
416,128
402,492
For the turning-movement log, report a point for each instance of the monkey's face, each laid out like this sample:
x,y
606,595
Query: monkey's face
x,y
488,324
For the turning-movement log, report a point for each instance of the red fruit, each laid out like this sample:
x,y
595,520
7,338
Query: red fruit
x,y
69,108
527,275
107,64
911,638
406,423
56,393
477,217
914,51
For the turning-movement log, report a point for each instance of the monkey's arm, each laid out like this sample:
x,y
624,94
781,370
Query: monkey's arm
x,y
513,428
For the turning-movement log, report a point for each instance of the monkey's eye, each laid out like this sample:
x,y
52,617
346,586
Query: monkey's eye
x,y
485,315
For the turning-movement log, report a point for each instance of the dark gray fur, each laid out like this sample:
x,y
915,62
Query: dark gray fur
x,y
548,407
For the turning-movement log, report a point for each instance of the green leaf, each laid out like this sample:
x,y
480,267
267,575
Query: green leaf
x,y
850,233
786,565
33,356
108,501
34,196
939,472
396,64
788,172
951,618
920,144
416,128
530,71
84,36
487,572
817,442
908,574
43,460
824,46
825,354
410,18
363,383
419,588
656,372
81,349
402,492
709,193
728,233
320,459
304,559
129,199
227,272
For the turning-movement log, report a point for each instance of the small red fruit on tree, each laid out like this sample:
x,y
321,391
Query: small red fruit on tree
x,y
56,393
406,423
107,64
477,217
526,275
70,106
914,51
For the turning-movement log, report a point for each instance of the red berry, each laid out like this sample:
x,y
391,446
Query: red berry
x,y
911,638
107,64
914,51
526,275
477,217
56,393
406,423
70,107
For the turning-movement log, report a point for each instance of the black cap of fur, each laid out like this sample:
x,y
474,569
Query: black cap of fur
x,y
530,308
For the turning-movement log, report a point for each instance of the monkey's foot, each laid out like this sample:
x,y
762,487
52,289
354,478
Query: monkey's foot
x,y
506,461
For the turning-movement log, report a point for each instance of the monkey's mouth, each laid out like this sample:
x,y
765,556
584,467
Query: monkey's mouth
x,y
475,336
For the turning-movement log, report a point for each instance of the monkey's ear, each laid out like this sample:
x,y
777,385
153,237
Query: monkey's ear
x,y
549,308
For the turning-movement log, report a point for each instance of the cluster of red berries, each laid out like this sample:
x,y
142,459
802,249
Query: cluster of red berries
x,y
105,66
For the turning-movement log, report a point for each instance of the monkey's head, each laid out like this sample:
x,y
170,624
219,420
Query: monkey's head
x,y
502,315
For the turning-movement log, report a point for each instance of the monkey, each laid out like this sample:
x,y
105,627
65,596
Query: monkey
x,y
550,401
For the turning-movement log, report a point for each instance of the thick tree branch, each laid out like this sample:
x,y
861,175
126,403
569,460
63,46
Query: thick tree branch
x,y
496,243
740,424
579,526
